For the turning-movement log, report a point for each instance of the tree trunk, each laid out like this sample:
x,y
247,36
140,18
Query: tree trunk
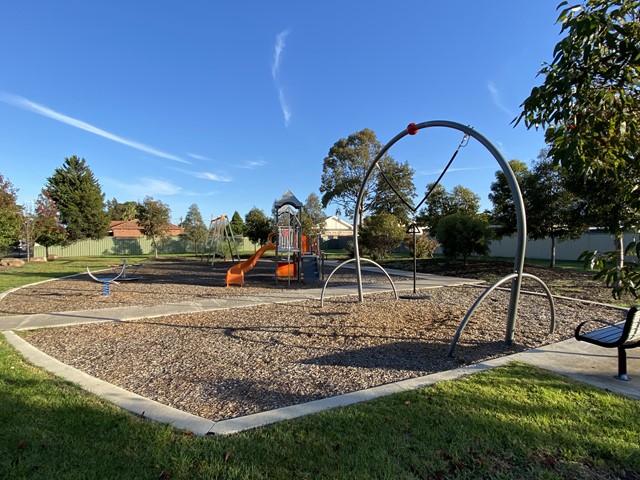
x,y
552,262
618,242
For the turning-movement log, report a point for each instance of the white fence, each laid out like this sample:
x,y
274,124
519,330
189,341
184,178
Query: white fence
x,y
569,250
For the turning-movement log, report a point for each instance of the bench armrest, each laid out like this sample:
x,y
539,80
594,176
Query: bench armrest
x,y
603,322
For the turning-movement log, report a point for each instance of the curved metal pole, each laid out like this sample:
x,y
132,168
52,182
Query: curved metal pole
x,y
479,300
108,280
357,212
393,286
517,200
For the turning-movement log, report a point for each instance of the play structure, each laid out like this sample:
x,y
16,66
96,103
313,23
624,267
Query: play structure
x,y
515,278
129,271
235,275
221,240
296,255
106,282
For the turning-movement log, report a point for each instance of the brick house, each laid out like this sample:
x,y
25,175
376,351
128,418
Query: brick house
x,y
131,229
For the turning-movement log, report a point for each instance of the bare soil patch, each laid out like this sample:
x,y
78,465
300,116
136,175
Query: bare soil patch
x,y
235,362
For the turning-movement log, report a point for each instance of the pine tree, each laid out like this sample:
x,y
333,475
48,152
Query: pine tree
x,y
194,228
79,199
237,224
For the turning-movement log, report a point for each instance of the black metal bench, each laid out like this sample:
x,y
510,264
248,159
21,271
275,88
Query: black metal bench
x,y
622,336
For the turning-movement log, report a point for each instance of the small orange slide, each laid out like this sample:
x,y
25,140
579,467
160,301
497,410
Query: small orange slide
x,y
235,275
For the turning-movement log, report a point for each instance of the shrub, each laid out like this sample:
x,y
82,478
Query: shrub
x,y
380,234
463,235
425,245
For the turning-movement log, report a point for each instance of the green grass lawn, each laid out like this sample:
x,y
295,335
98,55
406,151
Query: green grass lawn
x,y
512,422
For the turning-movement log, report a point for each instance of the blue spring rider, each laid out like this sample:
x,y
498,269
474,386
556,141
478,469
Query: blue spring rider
x,y
105,281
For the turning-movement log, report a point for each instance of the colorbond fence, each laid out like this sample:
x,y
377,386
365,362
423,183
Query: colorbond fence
x,y
127,246
569,250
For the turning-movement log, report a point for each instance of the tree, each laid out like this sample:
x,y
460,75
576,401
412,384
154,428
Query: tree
x,y
344,168
257,226
465,201
48,230
313,216
237,224
380,234
503,214
154,220
79,199
392,189
125,212
27,230
463,235
615,214
436,206
552,210
194,228
10,213
441,203
589,103
425,246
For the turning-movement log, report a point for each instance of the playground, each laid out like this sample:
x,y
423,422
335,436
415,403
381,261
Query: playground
x,y
237,361
266,348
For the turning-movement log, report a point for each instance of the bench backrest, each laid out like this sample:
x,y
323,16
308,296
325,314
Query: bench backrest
x,y
632,327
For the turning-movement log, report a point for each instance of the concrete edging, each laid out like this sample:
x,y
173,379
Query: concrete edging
x,y
132,402
161,413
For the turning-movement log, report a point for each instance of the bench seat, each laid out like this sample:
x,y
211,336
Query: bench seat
x,y
623,336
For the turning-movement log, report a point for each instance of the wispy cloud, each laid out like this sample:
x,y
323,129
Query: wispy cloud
x,y
212,176
215,177
144,186
461,169
286,111
497,100
200,194
196,156
25,104
278,49
277,53
252,164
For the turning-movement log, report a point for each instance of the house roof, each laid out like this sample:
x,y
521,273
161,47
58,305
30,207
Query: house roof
x,y
336,226
131,229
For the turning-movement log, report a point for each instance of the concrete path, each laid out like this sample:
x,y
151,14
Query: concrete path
x,y
580,361
41,320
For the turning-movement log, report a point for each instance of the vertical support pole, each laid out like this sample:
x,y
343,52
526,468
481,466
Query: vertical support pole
x,y
415,258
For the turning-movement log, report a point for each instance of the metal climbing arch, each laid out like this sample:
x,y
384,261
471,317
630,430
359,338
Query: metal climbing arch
x,y
516,277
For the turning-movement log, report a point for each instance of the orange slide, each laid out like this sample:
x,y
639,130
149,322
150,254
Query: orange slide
x,y
235,275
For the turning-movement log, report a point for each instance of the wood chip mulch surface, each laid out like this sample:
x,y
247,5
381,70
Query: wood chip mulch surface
x,y
235,362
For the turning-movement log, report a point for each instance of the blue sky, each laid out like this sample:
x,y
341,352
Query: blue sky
x,y
229,104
